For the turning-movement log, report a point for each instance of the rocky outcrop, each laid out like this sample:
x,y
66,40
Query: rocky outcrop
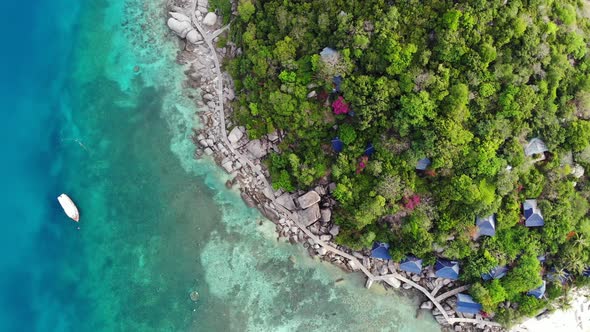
x,y
235,135
309,199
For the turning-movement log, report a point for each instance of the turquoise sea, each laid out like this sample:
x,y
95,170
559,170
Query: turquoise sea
x,y
93,105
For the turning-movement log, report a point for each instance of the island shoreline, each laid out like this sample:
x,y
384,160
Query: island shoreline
x,y
198,30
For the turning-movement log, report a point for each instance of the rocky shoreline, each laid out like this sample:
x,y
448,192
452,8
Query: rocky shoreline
x,y
300,217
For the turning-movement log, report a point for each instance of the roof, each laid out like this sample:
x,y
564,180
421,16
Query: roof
x,y
562,277
539,291
369,150
495,273
466,304
586,272
486,225
532,214
380,250
328,52
535,146
446,269
411,264
423,164
337,144
337,80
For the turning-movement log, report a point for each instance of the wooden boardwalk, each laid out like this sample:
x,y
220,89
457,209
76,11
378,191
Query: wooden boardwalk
x,y
208,37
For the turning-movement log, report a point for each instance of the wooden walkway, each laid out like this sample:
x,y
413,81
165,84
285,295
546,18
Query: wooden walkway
x,y
208,37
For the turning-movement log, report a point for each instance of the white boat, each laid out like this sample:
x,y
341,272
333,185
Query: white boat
x,y
69,207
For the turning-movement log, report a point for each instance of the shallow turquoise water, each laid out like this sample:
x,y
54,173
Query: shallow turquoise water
x,y
155,223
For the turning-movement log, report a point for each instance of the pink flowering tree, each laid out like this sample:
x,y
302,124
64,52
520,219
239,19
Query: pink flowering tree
x,y
411,202
340,106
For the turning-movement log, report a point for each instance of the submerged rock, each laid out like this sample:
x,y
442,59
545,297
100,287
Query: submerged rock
x,y
194,295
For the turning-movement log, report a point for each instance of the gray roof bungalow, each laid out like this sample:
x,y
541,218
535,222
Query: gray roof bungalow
x,y
539,291
466,304
496,273
532,214
446,269
535,146
423,164
486,225
411,264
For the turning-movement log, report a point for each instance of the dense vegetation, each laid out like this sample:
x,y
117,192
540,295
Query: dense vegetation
x,y
464,83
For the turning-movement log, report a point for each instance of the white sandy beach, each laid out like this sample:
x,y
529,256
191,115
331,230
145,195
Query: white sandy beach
x,y
576,318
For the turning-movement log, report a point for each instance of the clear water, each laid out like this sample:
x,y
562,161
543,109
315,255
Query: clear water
x,y
155,223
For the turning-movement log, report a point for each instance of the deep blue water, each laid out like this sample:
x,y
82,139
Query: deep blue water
x,y
78,117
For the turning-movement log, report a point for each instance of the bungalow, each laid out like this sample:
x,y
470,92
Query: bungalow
x,y
586,272
535,146
466,305
562,277
495,273
380,250
446,269
369,150
337,82
337,144
532,214
411,264
486,225
423,164
539,291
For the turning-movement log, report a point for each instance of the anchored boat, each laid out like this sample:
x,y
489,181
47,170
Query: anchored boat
x,y
69,207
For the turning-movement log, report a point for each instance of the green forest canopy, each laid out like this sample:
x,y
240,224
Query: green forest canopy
x,y
464,83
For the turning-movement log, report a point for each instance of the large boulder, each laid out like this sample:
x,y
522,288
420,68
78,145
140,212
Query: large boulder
x,y
210,19
180,28
309,215
309,199
193,37
256,149
235,135
180,17
286,200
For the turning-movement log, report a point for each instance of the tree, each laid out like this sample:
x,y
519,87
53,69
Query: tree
x,y
524,277
246,9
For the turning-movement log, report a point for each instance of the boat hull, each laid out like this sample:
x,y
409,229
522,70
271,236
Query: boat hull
x,y
69,207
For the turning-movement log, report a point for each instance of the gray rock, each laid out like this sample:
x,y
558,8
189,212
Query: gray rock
x,y
415,278
322,251
335,230
210,19
577,171
208,151
309,199
256,149
382,269
230,94
286,200
353,265
312,94
406,286
180,28
309,215
273,137
427,305
228,166
193,37
180,17
326,215
235,135
391,281
331,187
325,237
